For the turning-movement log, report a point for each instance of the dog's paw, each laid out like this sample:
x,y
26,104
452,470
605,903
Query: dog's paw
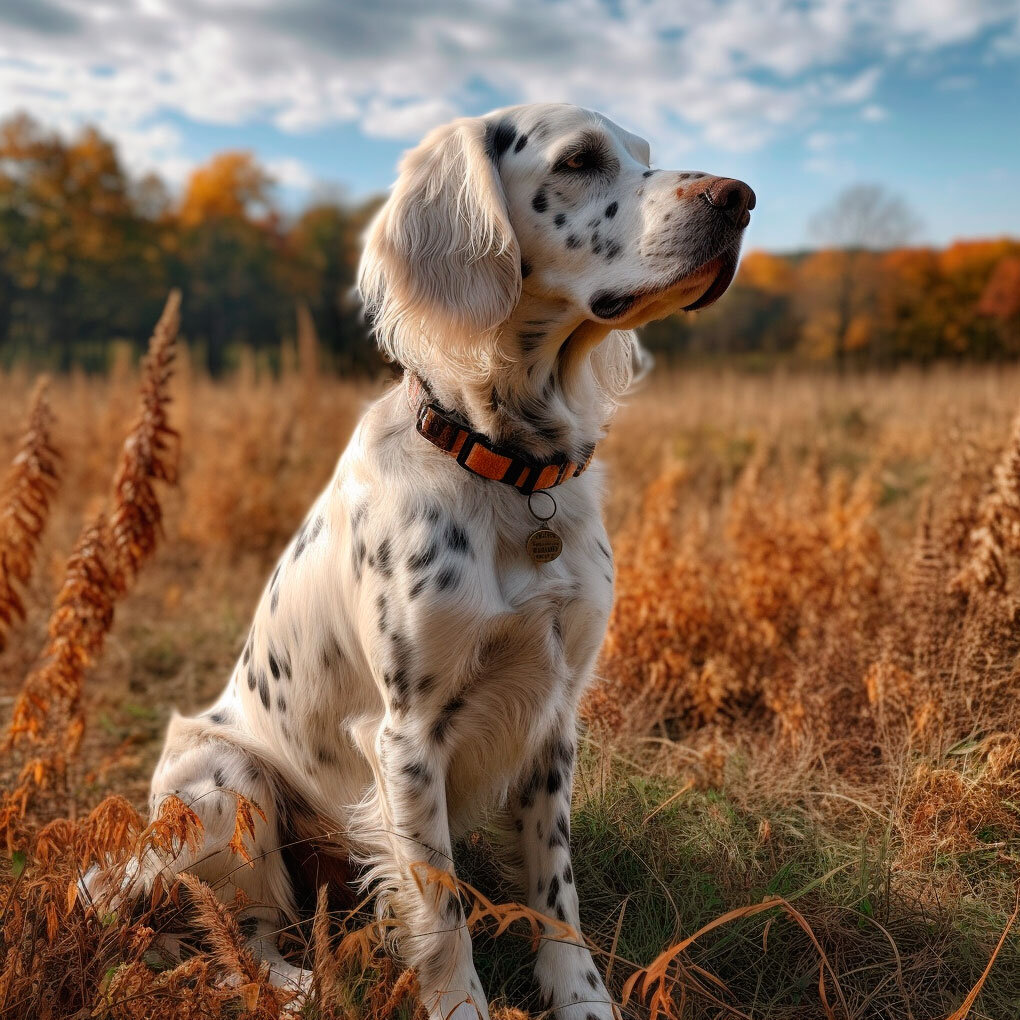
x,y
459,1006
109,889
572,992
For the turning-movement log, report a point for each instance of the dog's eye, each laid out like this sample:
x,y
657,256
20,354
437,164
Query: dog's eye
x,y
585,160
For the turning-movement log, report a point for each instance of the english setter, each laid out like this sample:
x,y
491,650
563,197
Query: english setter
x,y
416,660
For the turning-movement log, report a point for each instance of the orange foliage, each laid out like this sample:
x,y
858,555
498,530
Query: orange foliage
x,y
229,186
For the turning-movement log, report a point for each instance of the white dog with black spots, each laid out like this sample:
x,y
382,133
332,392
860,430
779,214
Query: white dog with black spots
x,y
410,670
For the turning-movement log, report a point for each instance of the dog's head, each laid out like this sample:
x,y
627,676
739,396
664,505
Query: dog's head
x,y
549,201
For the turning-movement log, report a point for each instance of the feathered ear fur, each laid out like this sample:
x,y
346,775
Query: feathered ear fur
x,y
441,261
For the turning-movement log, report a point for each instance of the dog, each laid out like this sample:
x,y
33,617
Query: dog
x,y
416,660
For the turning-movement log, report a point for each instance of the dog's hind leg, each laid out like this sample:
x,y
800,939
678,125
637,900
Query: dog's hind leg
x,y
209,772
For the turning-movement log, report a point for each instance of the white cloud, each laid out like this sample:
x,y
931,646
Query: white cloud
x,y
730,73
291,173
873,113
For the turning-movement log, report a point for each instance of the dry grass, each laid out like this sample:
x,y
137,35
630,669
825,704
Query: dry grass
x,y
27,491
803,755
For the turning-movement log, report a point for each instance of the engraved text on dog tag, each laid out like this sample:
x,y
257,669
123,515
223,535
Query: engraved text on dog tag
x,y
544,545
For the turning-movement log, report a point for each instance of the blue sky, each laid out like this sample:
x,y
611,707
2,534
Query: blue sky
x,y
798,98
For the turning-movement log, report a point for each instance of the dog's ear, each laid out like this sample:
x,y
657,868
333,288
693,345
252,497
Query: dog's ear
x,y
440,255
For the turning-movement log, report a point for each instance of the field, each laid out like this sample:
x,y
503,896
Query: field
x,y
806,727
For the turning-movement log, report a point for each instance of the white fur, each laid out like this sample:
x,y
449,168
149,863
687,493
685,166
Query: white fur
x,y
409,670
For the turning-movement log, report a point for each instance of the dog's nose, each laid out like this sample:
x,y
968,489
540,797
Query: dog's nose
x,y
734,199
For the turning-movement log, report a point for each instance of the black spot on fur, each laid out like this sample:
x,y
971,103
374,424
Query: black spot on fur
x,y
500,138
426,683
246,656
593,979
525,269
648,173
219,777
264,690
325,755
380,604
418,587
448,578
423,559
573,241
399,682
219,718
332,655
559,219
445,719
554,891
302,541
540,202
456,538
568,875
251,680
281,703
418,773
564,752
358,551
612,250
518,825
382,558
563,826
274,599
607,305
521,142
274,666
554,781
561,915
611,210
529,789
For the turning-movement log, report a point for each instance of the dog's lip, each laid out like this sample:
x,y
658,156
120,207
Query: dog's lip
x,y
720,283
713,277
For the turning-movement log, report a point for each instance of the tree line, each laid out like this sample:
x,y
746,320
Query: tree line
x,y
88,253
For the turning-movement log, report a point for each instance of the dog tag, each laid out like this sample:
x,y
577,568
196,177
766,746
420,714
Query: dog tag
x,y
544,545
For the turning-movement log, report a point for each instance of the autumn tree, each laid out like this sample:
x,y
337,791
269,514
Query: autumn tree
x,y
229,258
861,220
71,242
325,244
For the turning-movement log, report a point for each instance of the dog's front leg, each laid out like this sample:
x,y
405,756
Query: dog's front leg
x,y
567,976
435,938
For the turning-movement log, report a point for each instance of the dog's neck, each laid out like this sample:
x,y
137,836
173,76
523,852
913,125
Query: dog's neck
x,y
539,394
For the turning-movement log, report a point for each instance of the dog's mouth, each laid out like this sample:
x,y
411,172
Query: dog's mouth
x,y
688,293
725,268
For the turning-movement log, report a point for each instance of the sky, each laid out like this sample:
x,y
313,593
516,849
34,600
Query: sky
x,y
800,98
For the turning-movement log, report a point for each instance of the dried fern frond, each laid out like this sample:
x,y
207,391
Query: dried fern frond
x,y
24,508
150,454
997,533
82,615
101,568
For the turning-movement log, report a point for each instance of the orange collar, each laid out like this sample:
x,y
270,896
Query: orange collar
x,y
478,454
